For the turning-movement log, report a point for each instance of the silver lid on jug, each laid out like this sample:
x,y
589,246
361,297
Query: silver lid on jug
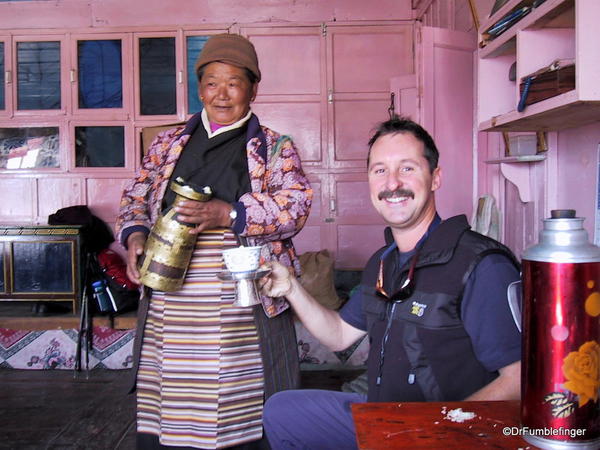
x,y
563,240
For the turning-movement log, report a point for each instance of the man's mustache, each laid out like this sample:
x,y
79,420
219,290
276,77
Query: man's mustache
x,y
396,193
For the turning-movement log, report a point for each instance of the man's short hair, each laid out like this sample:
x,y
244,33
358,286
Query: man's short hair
x,y
401,125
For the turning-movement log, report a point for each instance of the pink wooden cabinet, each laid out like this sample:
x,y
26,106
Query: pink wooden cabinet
x,y
555,30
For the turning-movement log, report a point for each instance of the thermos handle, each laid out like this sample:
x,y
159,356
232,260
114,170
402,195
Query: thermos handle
x,y
514,294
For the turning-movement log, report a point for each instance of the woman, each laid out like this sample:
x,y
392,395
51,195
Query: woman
x,y
205,366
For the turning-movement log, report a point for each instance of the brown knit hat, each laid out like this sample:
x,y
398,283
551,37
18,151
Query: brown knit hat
x,y
232,49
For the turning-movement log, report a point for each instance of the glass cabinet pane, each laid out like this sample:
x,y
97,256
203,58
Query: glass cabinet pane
x,y
194,45
2,96
42,267
157,76
29,148
100,146
2,275
38,75
100,74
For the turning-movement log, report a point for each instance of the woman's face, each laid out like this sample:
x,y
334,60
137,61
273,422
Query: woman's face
x,y
226,92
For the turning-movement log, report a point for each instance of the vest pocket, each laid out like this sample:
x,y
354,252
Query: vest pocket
x,y
420,370
373,306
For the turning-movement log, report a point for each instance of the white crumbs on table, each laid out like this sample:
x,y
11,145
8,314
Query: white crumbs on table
x,y
458,415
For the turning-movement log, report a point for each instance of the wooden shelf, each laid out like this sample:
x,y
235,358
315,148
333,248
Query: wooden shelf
x,y
518,170
547,14
517,159
555,30
556,113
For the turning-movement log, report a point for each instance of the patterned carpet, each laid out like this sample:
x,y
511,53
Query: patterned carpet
x,y
56,349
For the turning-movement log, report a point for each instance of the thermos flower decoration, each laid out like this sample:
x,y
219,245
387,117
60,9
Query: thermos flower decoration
x,y
582,370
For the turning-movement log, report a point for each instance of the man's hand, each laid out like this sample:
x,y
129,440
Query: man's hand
x,y
279,282
135,248
205,215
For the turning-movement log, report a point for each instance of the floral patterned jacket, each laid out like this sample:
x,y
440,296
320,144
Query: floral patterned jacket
x,y
272,213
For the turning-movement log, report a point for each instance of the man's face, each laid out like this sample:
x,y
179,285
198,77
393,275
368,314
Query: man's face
x,y
400,183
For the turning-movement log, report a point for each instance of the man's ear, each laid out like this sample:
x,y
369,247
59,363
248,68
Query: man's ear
x,y
436,179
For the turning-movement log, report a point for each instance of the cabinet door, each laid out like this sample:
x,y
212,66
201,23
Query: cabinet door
x,y
315,234
5,76
101,64
155,64
362,61
405,96
291,97
56,193
356,227
40,85
18,200
2,268
104,195
342,220
446,83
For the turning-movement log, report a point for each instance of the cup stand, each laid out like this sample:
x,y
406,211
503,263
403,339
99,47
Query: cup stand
x,y
246,291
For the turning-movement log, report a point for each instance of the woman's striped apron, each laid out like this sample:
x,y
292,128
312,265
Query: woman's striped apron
x,y
200,379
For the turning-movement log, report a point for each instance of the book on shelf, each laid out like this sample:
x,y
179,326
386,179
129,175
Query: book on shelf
x,y
507,21
546,82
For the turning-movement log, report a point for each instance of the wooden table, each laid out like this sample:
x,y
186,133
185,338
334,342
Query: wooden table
x,y
427,425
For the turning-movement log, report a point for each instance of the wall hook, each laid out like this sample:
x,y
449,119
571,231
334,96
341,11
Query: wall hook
x,y
392,109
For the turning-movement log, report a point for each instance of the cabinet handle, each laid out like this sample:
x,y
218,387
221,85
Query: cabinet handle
x,y
330,96
332,205
8,77
180,77
72,75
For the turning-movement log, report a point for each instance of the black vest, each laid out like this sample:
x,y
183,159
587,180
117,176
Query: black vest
x,y
428,354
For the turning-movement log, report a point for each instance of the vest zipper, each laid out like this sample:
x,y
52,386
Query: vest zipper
x,y
384,340
411,377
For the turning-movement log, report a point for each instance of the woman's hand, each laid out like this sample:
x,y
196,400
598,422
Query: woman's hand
x,y
205,215
135,249
279,282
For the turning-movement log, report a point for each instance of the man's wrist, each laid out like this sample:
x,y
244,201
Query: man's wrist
x,y
291,285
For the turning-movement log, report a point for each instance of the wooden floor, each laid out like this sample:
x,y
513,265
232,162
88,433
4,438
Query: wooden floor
x,y
19,316
52,409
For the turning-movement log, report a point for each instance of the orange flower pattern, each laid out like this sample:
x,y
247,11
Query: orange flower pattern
x,y
276,208
582,371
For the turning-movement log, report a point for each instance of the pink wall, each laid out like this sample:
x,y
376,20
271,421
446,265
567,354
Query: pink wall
x,y
109,13
451,14
577,168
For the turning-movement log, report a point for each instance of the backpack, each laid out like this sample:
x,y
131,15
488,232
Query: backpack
x,y
95,233
112,272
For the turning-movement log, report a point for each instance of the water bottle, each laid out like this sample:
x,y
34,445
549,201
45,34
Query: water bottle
x,y
101,296
560,375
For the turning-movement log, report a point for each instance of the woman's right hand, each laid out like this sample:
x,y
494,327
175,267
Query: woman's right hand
x,y
135,249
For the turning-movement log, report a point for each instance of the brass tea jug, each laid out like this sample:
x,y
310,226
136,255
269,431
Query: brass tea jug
x,y
169,246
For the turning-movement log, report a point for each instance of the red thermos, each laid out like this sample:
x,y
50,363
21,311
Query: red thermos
x,y
560,377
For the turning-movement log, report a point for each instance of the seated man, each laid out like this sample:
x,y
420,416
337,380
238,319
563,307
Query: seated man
x,y
433,302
